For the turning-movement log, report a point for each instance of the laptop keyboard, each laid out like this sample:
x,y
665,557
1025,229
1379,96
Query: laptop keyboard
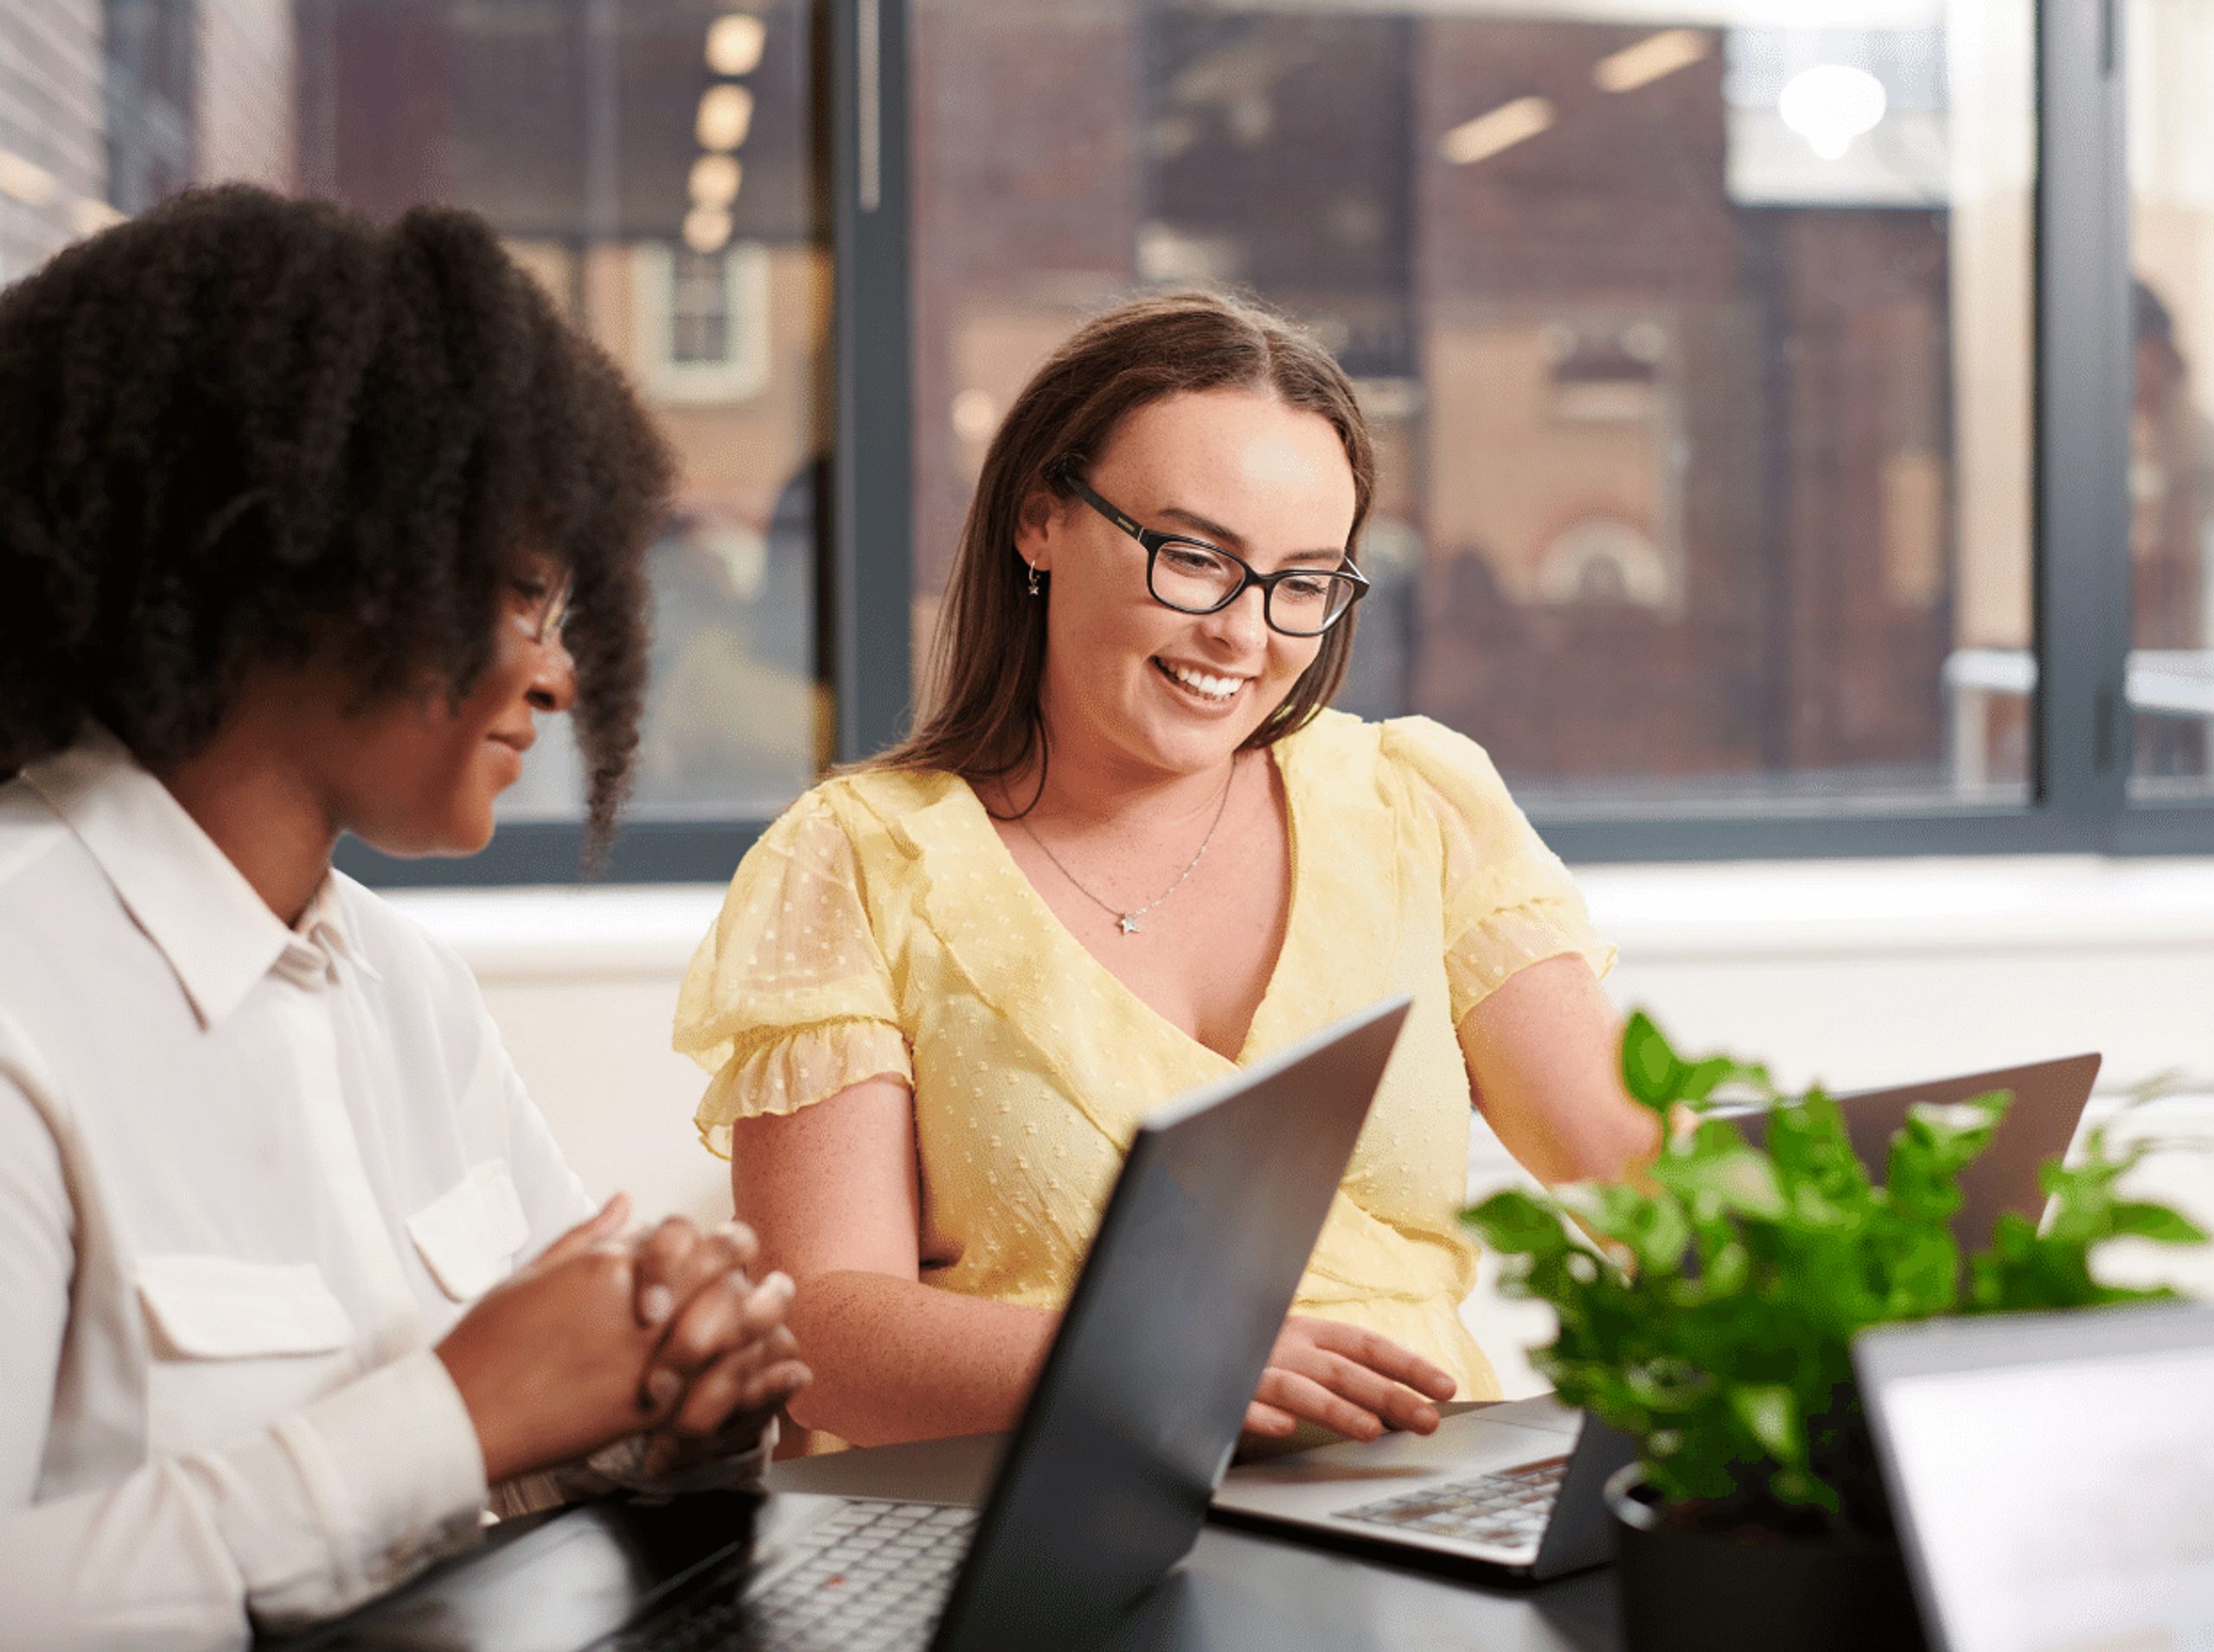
x,y
1505,1509
870,1578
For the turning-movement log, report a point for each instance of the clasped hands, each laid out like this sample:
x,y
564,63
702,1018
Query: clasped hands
x,y
607,1334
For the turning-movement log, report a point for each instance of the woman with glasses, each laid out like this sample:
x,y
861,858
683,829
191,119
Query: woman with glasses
x,y
303,522
1126,850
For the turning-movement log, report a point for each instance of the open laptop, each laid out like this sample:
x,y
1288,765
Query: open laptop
x,y
2049,1100
1105,1481
2052,1475
1511,1493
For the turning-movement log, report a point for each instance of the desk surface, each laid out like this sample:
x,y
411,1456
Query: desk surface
x,y
1241,1592
556,1582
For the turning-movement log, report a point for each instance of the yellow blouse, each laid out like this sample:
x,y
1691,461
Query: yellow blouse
x,y
880,928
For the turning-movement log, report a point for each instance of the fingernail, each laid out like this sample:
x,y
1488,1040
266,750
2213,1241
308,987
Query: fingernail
x,y
656,1303
776,1289
662,1385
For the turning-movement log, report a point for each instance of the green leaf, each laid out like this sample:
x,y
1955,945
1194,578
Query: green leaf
x,y
2143,1219
1931,1146
1698,1081
1769,1413
1728,1176
1514,1222
1649,1067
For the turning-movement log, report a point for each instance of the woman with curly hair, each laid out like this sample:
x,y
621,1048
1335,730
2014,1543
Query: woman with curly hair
x,y
302,520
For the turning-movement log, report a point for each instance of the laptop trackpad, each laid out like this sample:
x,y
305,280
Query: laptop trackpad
x,y
1477,1441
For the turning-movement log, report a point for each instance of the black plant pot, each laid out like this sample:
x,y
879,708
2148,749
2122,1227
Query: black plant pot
x,y
1704,1592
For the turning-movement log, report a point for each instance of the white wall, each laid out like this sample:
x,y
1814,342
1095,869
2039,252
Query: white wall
x,y
1854,973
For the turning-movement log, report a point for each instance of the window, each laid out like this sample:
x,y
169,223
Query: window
x,y
1698,338
703,321
2170,680
658,168
1778,458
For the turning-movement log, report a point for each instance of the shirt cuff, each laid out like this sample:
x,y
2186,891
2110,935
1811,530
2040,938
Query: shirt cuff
x,y
393,1476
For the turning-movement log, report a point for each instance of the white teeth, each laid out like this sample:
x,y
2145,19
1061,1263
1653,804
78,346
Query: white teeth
x,y
1201,681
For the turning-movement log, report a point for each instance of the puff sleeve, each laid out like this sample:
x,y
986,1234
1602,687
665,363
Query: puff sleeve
x,y
789,999
1508,900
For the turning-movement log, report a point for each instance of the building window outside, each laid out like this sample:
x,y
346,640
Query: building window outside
x,y
654,166
1698,347
2170,683
1700,350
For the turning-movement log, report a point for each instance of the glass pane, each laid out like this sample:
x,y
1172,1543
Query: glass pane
x,y
2172,428
654,165
1696,335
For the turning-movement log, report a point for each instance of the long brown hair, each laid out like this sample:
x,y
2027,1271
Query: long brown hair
x,y
981,718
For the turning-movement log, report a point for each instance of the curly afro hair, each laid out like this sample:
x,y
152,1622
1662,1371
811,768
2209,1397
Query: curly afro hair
x,y
243,429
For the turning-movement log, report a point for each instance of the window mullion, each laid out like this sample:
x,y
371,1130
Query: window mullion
x,y
2082,554
872,459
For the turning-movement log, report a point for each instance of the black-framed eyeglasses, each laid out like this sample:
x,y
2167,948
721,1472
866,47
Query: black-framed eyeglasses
x,y
1195,576
540,610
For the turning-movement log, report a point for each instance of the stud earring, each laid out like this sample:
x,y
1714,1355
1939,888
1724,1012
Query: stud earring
x,y
1033,579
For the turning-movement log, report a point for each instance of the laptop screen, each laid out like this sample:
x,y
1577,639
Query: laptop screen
x,y
1196,1259
2053,1475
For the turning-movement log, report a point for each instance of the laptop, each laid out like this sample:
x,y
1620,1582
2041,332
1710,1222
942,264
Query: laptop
x,y
1511,1493
1500,1494
2052,1475
2049,1100
1104,1483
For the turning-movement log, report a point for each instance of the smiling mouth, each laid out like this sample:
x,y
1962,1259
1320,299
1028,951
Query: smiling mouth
x,y
1205,684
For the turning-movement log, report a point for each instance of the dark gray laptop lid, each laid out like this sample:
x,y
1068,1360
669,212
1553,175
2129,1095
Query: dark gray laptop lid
x,y
1106,1482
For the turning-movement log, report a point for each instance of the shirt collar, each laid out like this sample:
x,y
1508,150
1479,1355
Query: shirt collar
x,y
197,909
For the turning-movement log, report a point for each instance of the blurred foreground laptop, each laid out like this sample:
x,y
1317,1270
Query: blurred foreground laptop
x,y
1104,1484
1511,1493
2052,1475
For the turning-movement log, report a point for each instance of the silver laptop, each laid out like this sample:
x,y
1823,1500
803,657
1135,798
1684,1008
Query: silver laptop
x,y
2052,1475
1104,1484
1511,1493
1503,1493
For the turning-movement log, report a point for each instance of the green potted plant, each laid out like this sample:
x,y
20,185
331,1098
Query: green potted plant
x,y
1708,1314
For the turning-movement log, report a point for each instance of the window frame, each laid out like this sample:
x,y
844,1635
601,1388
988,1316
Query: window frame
x,y
2080,731
864,529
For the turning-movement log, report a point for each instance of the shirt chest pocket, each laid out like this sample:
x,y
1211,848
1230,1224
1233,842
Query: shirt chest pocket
x,y
469,1235
231,1344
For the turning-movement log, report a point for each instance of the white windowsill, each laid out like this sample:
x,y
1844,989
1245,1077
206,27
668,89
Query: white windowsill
x,y
1655,914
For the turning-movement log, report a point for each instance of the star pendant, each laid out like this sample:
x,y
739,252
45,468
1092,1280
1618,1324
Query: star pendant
x,y
1129,920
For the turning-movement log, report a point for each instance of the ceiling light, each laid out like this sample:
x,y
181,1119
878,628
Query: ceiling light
x,y
24,179
89,216
734,42
1830,105
726,116
714,181
707,230
975,416
1504,127
1649,59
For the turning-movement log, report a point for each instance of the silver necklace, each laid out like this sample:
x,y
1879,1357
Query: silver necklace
x,y
1129,919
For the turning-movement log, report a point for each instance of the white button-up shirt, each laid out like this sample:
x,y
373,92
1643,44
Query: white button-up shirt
x,y
248,1176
